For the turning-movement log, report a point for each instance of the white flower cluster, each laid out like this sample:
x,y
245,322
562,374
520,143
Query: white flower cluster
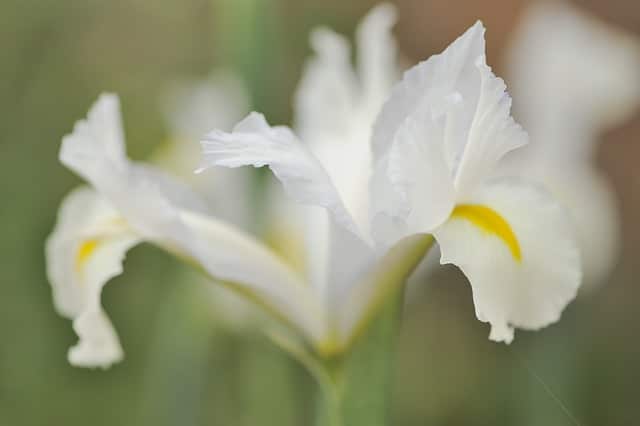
x,y
379,166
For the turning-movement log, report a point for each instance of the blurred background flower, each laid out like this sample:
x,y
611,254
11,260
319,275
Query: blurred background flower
x,y
182,366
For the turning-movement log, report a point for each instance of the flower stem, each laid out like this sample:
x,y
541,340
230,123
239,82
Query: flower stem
x,y
356,390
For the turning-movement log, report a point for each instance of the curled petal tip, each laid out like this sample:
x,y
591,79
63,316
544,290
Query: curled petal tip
x,y
501,333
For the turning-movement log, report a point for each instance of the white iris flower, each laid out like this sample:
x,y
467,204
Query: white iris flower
x,y
130,203
425,169
376,189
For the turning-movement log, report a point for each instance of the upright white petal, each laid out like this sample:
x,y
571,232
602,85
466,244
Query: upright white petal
x,y
412,188
377,55
254,142
326,96
85,250
493,132
440,134
520,256
336,104
424,121
428,89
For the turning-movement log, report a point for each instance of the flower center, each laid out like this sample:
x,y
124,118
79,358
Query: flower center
x,y
489,221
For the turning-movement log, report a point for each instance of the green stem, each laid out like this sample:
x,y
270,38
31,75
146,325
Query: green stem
x,y
356,389
359,392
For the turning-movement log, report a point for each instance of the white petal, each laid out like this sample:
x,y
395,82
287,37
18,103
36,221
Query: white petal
x,y
254,142
347,258
445,126
230,255
326,95
177,193
147,199
527,293
460,105
427,89
331,119
377,54
178,157
492,134
99,345
374,282
85,250
152,207
412,189
335,106
96,144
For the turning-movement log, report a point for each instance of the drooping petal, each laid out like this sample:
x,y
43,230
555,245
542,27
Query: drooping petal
x,y
95,151
254,142
232,256
516,247
98,344
85,250
157,209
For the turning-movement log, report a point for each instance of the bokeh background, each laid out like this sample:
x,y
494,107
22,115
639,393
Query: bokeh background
x,y
183,365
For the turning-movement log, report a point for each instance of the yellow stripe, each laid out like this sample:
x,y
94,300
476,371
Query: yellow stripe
x,y
491,222
86,249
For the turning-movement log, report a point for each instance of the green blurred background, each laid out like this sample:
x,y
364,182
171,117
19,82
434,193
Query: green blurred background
x,y
182,367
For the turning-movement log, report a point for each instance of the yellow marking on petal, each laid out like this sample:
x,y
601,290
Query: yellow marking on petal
x,y
86,249
491,222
